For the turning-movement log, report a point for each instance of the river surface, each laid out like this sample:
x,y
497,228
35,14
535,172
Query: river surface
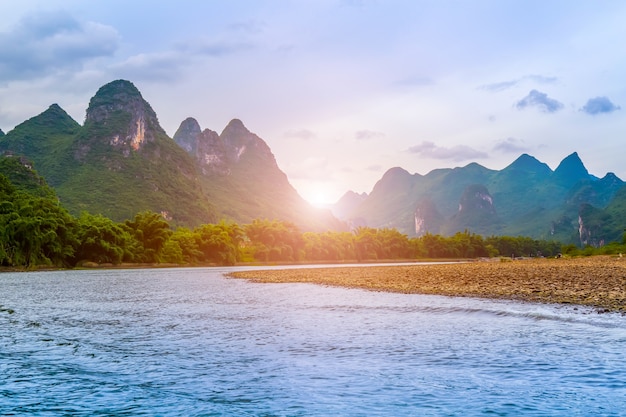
x,y
190,342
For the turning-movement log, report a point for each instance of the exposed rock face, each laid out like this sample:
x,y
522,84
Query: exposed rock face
x,y
187,135
120,113
427,218
476,212
219,154
239,141
476,198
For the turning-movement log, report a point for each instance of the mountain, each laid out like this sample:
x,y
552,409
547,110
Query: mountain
x,y
525,198
242,179
1,133
44,139
347,203
121,162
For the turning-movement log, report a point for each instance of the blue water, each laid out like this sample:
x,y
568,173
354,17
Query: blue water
x,y
189,342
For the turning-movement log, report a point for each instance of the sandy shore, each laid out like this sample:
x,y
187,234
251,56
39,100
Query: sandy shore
x,y
598,281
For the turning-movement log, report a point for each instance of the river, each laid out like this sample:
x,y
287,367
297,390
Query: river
x,y
190,342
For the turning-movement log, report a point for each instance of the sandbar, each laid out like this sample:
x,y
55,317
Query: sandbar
x,y
597,281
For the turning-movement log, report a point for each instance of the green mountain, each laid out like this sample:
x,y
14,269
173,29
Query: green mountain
x,y
121,162
241,177
525,198
44,139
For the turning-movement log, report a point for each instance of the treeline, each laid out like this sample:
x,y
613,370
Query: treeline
x,y
36,230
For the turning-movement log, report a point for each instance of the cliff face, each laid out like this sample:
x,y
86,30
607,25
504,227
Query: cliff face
x,y
427,218
242,179
206,147
119,115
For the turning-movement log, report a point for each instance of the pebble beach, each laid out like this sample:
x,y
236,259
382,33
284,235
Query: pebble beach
x,y
598,281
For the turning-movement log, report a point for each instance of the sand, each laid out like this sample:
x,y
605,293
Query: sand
x,y
598,281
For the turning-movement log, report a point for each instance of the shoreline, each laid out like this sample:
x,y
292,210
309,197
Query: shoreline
x,y
598,281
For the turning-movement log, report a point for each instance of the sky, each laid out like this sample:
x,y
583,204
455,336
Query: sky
x,y
341,90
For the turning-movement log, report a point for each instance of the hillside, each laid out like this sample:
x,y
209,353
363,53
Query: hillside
x,y
525,198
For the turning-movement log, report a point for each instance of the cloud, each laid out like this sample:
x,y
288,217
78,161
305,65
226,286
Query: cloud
x,y
160,66
303,134
374,168
599,105
501,86
456,153
510,145
541,101
505,85
541,79
47,42
368,135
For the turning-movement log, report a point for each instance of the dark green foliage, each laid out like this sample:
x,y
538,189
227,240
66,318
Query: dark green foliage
x,y
35,230
103,241
151,231
20,172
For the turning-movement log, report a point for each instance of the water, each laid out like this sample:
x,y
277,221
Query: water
x,y
189,342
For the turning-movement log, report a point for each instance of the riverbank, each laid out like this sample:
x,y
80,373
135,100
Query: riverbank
x,y
598,281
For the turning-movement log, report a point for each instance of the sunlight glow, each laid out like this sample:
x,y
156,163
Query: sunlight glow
x,y
319,198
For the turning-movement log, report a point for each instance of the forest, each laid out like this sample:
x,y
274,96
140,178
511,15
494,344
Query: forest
x,y
37,231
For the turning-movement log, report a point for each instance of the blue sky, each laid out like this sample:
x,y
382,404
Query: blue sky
x,y
341,90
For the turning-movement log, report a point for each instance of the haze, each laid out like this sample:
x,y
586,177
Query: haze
x,y
341,90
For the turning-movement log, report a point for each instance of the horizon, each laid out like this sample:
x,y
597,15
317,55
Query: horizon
x,y
341,90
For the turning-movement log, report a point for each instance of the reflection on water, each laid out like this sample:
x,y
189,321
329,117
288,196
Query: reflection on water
x,y
191,342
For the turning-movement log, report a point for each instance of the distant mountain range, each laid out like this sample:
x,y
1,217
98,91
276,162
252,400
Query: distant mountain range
x,y
121,162
526,198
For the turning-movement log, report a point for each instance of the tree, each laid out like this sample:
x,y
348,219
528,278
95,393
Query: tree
x,y
151,230
102,240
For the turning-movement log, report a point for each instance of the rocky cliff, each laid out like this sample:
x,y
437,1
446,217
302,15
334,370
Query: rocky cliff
x,y
242,179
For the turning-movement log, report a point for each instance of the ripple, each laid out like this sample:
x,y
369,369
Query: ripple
x,y
189,342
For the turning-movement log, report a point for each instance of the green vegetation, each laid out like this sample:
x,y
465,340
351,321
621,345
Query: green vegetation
x,y
38,231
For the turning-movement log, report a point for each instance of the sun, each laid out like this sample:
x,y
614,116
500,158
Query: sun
x,y
319,198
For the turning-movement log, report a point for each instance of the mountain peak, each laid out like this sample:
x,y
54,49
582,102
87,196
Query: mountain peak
x,y
122,116
571,170
235,128
187,134
528,163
